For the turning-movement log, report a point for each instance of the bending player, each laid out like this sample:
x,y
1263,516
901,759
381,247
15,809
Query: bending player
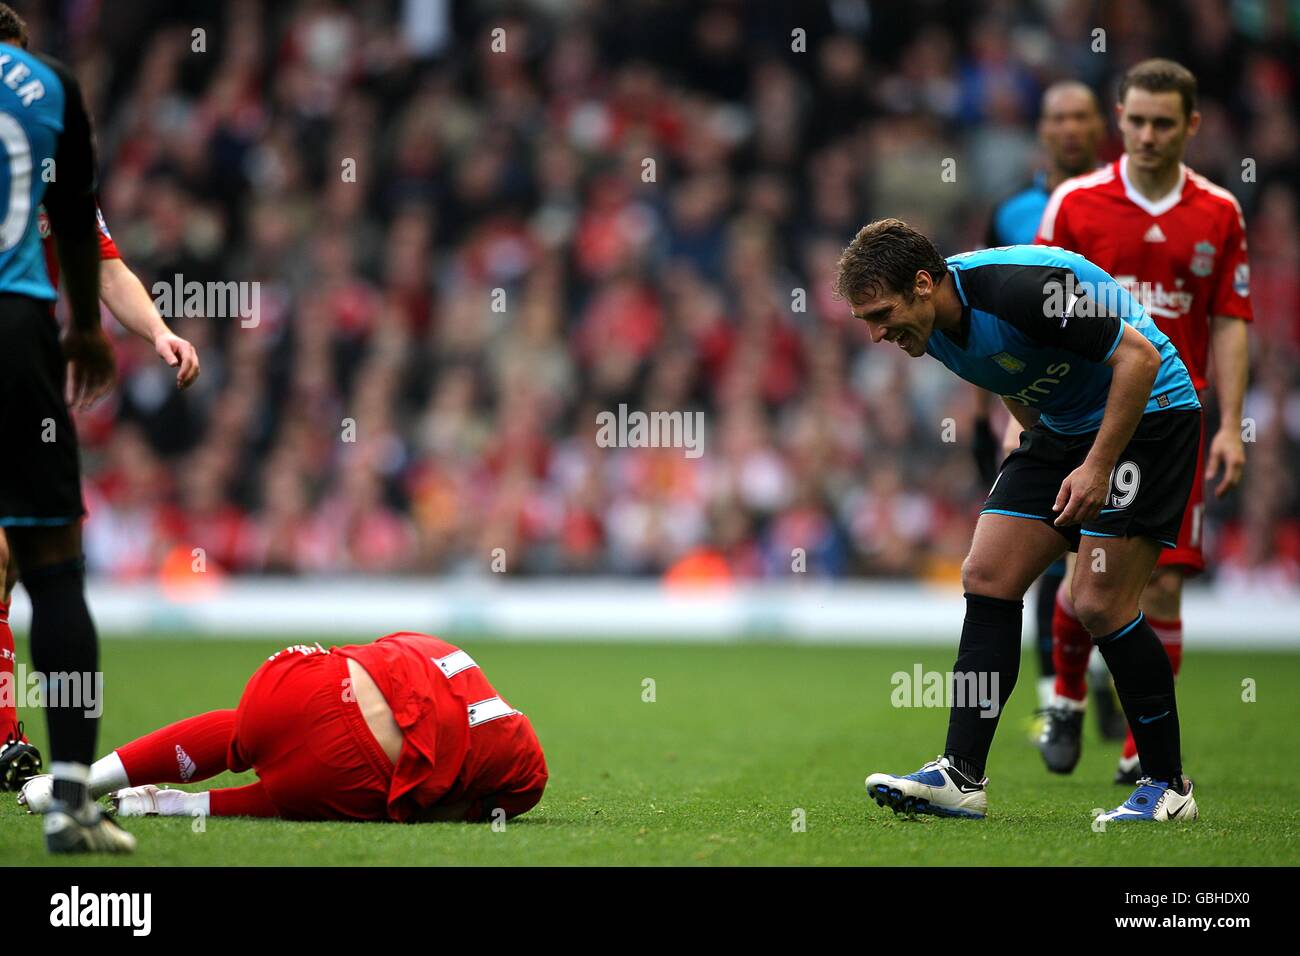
x,y
1113,423
406,728
1071,127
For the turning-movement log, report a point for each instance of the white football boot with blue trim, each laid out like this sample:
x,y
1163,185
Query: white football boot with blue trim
x,y
937,788
1154,800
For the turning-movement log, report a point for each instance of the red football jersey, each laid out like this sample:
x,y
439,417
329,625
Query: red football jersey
x,y
1183,256
461,740
107,247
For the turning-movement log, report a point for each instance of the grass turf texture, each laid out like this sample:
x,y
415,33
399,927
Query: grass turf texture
x,y
738,740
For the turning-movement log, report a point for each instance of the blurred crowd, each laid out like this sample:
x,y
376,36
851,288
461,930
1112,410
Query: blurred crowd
x,y
557,208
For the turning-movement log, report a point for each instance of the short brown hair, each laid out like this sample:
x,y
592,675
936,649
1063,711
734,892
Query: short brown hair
x,y
885,256
13,28
1162,76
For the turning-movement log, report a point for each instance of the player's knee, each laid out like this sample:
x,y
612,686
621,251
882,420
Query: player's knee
x,y
40,547
1100,611
979,575
1163,595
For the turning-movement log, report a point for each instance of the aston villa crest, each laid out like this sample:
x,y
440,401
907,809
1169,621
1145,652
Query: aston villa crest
x,y
1009,362
1203,259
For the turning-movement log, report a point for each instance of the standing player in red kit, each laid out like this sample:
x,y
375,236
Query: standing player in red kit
x,y
406,728
125,297
1178,242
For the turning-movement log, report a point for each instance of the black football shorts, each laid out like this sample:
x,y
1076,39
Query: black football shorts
x,y
40,475
1148,488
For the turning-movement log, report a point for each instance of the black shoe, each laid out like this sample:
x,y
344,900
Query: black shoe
x,y
1129,771
1061,742
19,761
85,830
1110,719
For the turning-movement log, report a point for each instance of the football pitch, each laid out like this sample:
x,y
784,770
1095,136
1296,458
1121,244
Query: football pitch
x,y
748,754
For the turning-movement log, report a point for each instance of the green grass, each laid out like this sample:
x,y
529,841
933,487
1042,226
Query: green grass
x,y
740,738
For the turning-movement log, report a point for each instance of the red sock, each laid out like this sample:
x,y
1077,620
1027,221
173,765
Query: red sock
x,y
1130,746
1071,648
8,689
188,750
249,801
1171,637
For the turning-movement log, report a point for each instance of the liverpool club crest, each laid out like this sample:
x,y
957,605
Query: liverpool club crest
x,y
1203,259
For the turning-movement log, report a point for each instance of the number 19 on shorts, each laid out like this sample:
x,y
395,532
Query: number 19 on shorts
x,y
1124,481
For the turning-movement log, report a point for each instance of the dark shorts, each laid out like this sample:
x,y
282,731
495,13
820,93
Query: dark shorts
x,y
1188,557
1149,487
40,480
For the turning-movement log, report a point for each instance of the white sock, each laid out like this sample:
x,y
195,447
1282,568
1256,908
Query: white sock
x,y
76,772
107,774
1066,702
66,771
1046,691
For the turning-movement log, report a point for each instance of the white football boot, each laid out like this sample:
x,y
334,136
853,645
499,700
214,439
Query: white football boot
x,y
937,788
37,793
83,830
1154,800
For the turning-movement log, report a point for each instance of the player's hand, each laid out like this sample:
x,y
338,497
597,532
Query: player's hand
x,y
1082,494
1226,450
180,355
91,368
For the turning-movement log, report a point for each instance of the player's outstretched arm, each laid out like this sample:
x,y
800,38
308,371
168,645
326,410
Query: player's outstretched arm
x,y
1231,370
125,295
1134,365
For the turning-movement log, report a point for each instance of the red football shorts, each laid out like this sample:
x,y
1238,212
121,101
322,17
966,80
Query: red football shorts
x,y
299,727
1188,555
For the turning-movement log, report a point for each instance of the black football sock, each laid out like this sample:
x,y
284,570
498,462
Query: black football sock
x,y
1145,684
988,663
64,647
1044,607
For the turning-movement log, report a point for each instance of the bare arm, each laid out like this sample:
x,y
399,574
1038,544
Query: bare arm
x,y
1231,370
984,447
1134,365
127,299
1022,418
1011,434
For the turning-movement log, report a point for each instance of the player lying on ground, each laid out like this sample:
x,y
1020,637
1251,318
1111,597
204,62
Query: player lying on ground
x,y
1112,426
406,729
